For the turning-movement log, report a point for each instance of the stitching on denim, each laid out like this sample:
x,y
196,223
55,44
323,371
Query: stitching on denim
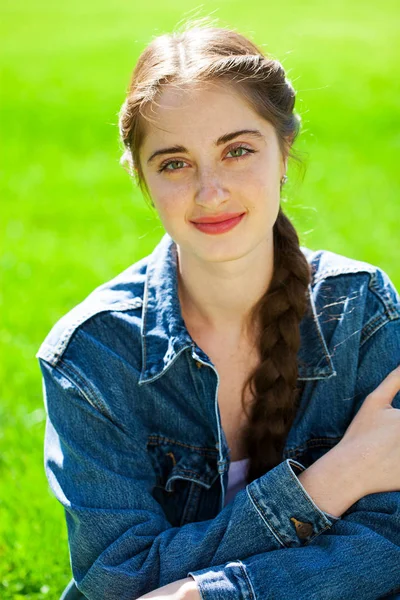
x,y
144,322
82,391
247,580
314,443
370,327
264,518
317,534
188,471
191,503
96,400
190,359
159,440
200,477
335,272
66,336
384,296
391,312
381,324
91,313
164,368
99,401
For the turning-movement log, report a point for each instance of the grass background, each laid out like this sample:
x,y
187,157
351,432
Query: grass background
x,y
71,219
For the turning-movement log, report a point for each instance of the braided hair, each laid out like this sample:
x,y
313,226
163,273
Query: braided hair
x,y
273,383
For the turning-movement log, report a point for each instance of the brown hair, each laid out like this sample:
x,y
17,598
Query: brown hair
x,y
207,54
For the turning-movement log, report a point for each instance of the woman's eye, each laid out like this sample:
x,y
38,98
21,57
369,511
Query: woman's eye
x,y
238,149
171,162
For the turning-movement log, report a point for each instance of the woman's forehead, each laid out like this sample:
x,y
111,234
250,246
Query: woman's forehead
x,y
208,111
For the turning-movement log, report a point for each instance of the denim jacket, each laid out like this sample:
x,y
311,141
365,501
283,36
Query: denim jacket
x,y
136,454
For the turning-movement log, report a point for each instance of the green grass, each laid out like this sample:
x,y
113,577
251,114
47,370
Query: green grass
x,y
71,219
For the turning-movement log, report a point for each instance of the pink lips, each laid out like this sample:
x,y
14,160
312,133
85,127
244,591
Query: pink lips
x,y
219,223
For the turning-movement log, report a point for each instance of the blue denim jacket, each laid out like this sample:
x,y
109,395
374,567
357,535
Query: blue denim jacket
x,y
135,451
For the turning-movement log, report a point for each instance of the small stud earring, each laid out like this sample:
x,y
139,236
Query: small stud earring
x,y
284,180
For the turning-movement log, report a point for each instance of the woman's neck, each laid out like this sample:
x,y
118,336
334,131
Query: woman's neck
x,y
219,296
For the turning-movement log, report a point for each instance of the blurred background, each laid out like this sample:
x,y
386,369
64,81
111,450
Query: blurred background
x,y
71,218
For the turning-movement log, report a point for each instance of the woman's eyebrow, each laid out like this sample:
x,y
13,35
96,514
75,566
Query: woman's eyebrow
x,y
227,137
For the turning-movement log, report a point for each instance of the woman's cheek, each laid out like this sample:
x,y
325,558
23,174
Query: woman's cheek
x,y
172,209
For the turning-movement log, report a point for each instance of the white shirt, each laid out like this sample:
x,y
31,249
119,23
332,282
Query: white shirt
x,y
236,478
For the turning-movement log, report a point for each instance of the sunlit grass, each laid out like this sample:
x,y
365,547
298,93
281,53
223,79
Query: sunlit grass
x,y
71,219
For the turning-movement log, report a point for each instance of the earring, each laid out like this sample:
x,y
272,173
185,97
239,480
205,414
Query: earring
x,y
284,180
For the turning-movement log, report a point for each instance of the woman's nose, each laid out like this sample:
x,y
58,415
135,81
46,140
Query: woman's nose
x,y
211,190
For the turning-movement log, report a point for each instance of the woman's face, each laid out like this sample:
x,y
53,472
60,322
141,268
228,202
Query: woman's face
x,y
209,176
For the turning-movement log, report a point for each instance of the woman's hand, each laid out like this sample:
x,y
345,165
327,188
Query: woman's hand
x,y
372,438
367,458
183,589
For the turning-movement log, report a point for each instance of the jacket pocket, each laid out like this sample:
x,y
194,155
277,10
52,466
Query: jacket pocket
x,y
183,472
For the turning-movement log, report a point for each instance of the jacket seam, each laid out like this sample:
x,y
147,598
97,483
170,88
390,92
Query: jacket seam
x,y
383,296
65,373
164,439
247,580
313,443
315,508
351,270
144,325
88,393
260,512
372,327
55,352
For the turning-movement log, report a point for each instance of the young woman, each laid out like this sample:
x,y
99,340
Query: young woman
x,y
223,416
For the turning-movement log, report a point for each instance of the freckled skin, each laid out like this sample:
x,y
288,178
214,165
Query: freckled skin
x,y
210,180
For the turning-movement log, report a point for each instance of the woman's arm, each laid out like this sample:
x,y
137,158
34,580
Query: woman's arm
x,y
360,448
184,589
360,556
119,537
366,460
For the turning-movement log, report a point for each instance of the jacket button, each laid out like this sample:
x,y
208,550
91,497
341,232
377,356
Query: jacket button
x,y
303,530
198,364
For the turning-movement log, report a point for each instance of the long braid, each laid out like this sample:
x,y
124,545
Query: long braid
x,y
200,55
273,383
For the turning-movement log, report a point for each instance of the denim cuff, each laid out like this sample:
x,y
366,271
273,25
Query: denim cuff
x,y
286,508
228,582
289,513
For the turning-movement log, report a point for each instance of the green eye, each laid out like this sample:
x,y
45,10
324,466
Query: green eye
x,y
171,162
238,149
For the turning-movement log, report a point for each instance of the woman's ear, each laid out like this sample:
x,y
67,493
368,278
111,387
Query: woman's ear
x,y
126,162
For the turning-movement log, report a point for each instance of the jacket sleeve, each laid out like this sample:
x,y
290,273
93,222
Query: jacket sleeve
x,y
121,543
359,557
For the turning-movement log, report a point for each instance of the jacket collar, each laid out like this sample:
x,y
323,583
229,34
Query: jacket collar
x,y
164,334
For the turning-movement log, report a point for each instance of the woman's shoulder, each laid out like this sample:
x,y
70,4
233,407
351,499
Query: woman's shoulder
x,y
326,264
121,294
347,290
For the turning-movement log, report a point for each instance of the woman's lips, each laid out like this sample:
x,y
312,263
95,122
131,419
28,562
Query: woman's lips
x,y
220,227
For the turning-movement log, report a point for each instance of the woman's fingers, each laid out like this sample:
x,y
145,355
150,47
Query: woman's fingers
x,y
386,391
